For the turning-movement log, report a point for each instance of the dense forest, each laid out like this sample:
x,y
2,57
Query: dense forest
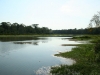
x,y
93,31
6,28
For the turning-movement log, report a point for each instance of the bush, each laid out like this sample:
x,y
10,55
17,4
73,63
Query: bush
x,y
97,52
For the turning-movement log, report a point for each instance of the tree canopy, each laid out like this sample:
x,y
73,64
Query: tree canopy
x,y
95,21
17,29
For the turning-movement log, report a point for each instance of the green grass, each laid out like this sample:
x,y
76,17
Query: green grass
x,y
80,52
86,37
85,62
87,58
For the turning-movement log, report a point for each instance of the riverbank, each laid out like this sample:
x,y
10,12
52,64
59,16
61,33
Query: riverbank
x,y
37,35
87,58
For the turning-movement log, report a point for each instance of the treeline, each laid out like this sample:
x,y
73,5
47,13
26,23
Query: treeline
x,y
6,28
93,31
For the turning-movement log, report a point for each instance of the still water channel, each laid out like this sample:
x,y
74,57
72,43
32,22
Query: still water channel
x,y
32,56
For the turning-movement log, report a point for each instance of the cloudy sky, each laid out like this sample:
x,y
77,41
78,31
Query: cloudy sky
x,y
54,14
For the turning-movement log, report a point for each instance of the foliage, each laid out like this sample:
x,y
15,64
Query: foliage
x,y
95,21
87,56
97,51
78,31
6,28
85,37
87,62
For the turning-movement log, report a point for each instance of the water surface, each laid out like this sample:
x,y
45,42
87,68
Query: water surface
x,y
32,56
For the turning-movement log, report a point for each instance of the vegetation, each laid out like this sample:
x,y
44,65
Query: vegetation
x,y
6,28
92,31
95,21
87,58
85,37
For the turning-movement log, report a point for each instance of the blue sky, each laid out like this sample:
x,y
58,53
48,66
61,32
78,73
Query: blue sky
x,y
54,14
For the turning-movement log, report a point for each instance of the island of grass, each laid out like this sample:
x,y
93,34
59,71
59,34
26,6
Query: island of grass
x,y
87,58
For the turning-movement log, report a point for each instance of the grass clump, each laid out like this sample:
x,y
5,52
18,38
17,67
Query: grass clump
x,y
85,37
87,61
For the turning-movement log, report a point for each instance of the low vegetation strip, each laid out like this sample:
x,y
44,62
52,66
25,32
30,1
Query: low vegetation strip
x,y
87,58
70,44
37,35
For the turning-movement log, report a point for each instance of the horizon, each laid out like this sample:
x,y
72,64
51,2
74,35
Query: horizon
x,y
54,14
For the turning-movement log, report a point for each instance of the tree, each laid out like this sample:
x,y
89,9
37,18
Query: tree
x,y
95,21
35,25
94,24
7,28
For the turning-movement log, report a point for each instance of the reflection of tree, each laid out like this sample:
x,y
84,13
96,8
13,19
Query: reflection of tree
x,y
18,38
8,47
35,43
64,38
44,41
22,42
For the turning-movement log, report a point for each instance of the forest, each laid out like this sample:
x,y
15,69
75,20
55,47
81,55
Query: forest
x,y
91,31
6,28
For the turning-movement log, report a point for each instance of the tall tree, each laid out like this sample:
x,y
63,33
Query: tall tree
x,y
95,21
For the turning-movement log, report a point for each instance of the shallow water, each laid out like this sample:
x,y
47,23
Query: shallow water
x,y
32,56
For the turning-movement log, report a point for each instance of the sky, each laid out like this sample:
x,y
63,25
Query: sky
x,y
54,14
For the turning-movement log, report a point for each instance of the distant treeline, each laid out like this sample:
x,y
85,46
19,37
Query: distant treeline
x,y
95,30
6,28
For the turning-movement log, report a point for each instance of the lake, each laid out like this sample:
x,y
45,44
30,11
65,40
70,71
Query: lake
x,y
32,56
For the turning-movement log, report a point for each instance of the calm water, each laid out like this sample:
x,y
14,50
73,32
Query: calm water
x,y
32,56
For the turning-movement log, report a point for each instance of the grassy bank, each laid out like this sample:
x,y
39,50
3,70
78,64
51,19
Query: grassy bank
x,y
87,58
37,35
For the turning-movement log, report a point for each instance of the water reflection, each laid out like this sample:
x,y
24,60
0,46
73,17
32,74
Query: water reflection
x,y
46,70
34,43
22,42
43,71
5,39
12,44
6,47
22,57
66,38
